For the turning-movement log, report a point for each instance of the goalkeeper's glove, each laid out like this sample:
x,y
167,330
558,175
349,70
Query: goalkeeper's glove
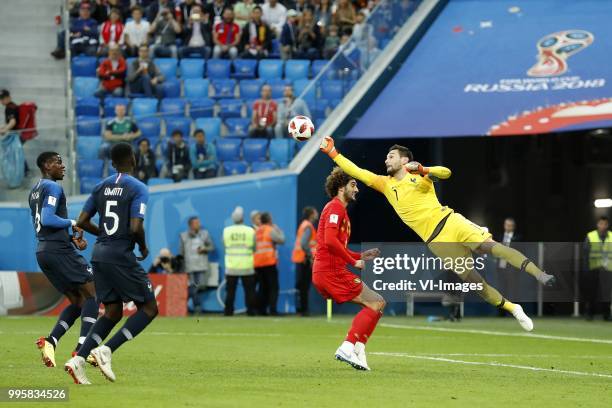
x,y
417,168
327,147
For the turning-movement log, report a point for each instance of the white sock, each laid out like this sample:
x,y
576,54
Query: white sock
x,y
359,348
347,347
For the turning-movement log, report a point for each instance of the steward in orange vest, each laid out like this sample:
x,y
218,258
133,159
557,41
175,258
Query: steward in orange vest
x,y
265,259
302,256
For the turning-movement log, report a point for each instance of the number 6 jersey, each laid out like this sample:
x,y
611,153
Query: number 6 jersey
x,y
47,196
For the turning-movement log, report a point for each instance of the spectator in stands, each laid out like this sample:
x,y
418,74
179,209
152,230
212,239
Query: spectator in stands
x,y
111,32
289,107
11,113
349,55
143,76
178,160
103,9
164,31
595,280
264,116
309,37
145,161
203,156
242,11
136,32
265,260
344,17
166,263
332,42
83,33
256,37
185,9
275,15
112,73
119,129
289,35
323,13
226,36
197,35
215,10
156,7
194,245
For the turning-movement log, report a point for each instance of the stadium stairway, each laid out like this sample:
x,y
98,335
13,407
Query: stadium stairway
x,y
28,33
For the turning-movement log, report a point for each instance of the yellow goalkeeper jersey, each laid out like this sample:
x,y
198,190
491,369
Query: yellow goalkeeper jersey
x,y
413,198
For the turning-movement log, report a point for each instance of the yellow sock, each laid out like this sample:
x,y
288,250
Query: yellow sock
x,y
516,259
507,305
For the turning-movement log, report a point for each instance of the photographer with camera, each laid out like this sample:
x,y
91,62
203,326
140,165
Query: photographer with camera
x,y
164,31
195,245
166,263
197,35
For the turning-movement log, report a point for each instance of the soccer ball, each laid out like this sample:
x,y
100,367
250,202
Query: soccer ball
x,y
301,128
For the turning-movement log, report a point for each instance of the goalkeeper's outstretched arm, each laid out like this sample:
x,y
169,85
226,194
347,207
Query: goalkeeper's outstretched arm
x,y
435,173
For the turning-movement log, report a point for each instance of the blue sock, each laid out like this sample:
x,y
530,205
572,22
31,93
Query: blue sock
x,y
65,321
132,327
89,315
97,334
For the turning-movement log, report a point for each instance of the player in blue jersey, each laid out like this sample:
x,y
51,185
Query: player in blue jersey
x,y
57,257
121,202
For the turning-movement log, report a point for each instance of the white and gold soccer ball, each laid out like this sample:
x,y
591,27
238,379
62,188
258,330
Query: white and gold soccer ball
x,y
301,128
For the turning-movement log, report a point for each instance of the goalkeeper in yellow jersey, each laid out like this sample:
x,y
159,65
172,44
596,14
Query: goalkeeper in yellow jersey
x,y
408,186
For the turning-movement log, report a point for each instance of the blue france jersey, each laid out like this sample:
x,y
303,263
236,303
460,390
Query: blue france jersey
x,y
50,195
117,199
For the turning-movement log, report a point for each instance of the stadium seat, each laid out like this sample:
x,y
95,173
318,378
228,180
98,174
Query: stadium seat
x,y
319,109
201,108
269,69
87,147
144,107
255,150
211,126
150,128
297,69
234,167
218,68
250,88
89,106
299,86
281,151
171,88
167,66
275,53
83,87
249,105
88,184
111,102
192,68
83,66
224,88
258,167
163,146
332,89
90,167
182,124
230,108
244,68
318,65
278,87
88,125
228,149
172,107
196,88
238,127
156,181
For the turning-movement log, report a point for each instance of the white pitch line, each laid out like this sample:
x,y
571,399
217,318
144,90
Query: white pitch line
x,y
589,357
496,333
491,364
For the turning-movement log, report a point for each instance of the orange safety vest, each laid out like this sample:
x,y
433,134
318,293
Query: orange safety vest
x,y
265,252
299,255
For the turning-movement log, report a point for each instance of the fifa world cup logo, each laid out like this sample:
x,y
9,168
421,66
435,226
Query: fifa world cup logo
x,y
554,50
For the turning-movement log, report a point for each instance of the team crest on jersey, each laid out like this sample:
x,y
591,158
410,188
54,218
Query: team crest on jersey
x,y
150,286
89,270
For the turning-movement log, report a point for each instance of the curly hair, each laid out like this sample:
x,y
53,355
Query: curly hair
x,y
337,179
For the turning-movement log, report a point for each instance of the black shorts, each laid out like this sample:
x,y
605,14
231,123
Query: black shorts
x,y
115,283
65,270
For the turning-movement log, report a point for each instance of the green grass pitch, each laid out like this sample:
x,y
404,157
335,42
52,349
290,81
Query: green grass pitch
x,y
288,362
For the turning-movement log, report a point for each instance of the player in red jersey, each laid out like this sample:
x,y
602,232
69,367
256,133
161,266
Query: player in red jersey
x,y
331,276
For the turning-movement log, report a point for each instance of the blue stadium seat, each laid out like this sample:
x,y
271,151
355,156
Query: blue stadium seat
x,y
218,68
87,147
167,67
249,105
255,149
150,128
275,53
182,124
224,88
172,107
319,109
192,68
83,66
144,107
90,167
88,125
299,86
318,65
211,126
88,184
228,149
270,69
297,69
234,167
83,87
244,68
89,106
163,147
238,127
250,88
171,88
201,108
156,181
278,87
281,151
332,89
230,108
258,167
196,88
111,102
